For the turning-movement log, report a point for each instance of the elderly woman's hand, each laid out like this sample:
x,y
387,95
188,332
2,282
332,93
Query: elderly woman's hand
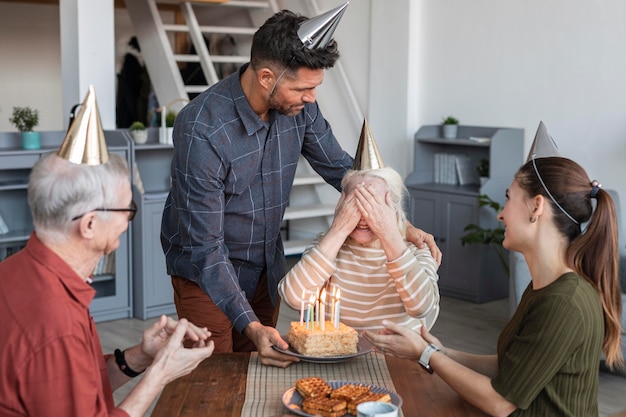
x,y
376,208
347,216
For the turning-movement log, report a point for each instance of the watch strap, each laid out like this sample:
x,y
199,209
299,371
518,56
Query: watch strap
x,y
426,354
121,363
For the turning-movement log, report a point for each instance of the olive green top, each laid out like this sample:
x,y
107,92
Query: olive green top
x,y
549,352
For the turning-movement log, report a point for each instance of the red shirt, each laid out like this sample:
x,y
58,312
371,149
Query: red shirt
x,y
51,359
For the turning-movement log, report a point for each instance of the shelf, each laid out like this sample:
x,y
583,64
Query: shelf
x,y
473,189
457,142
15,236
112,300
316,210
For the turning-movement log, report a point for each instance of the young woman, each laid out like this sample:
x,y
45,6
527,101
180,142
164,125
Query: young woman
x,y
548,354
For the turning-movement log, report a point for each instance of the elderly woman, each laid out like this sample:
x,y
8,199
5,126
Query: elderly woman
x,y
381,275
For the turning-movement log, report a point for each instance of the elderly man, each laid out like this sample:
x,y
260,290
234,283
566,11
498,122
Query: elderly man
x,y
51,357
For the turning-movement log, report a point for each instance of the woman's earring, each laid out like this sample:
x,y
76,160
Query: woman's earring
x,y
533,219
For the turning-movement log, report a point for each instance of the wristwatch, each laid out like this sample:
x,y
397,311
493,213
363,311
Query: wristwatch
x,y
425,358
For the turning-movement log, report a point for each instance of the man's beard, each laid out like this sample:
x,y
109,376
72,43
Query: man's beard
x,y
287,111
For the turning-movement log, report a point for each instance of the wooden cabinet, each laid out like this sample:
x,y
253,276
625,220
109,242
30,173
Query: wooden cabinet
x,y
112,275
152,287
470,272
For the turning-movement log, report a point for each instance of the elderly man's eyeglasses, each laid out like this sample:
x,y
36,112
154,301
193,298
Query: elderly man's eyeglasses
x,y
132,210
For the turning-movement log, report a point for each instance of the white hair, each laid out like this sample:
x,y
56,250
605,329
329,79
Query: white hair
x,y
59,190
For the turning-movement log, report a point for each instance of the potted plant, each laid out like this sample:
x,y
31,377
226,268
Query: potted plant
x,y
25,119
483,170
485,236
450,127
138,132
170,117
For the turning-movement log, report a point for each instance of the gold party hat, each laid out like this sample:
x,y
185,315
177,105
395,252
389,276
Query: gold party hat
x,y
367,154
84,141
543,146
318,31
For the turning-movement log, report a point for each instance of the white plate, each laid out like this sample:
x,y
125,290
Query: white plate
x,y
292,400
363,347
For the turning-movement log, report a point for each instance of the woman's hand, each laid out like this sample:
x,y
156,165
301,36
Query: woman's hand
x,y
400,341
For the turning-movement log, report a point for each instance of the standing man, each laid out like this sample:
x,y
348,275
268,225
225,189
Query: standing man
x,y
236,149
50,356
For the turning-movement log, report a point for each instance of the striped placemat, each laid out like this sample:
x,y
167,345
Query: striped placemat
x,y
267,384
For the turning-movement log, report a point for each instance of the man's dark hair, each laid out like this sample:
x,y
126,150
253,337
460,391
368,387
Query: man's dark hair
x,y
277,43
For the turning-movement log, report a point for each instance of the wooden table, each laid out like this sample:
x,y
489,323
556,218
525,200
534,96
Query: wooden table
x,y
218,388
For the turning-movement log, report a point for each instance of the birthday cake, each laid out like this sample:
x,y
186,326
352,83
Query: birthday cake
x,y
313,341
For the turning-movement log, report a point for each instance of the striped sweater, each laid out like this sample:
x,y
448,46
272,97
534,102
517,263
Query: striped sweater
x,y
403,291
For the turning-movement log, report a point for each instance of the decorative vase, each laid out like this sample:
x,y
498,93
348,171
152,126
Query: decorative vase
x,y
449,131
140,136
31,140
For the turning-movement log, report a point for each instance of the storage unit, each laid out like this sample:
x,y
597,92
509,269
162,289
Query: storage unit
x,y
111,278
470,272
152,287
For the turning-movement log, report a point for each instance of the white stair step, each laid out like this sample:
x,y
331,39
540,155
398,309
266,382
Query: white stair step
x,y
228,30
242,59
231,3
295,247
306,212
310,179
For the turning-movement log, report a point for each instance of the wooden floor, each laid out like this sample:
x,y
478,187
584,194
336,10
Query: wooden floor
x,y
461,325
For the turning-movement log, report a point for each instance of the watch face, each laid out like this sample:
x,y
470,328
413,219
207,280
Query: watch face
x,y
427,367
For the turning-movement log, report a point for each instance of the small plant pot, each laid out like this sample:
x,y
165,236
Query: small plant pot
x,y
450,131
170,136
483,180
31,140
140,136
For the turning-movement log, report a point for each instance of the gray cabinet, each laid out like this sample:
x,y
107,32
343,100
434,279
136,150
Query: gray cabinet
x,y
470,272
152,288
111,276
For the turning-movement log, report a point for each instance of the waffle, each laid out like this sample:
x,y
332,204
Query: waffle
x,y
324,406
349,392
313,387
370,396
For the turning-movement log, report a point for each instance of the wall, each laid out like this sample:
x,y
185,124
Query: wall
x,y
30,53
412,62
511,63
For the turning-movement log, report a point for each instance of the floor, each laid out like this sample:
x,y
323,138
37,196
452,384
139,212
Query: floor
x,y
461,325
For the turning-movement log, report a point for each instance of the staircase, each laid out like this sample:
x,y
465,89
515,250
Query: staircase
x,y
165,27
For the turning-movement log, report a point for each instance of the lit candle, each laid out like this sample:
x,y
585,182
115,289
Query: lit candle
x,y
317,309
338,308
308,316
311,310
323,309
302,308
332,304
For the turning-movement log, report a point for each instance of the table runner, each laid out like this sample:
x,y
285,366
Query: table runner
x,y
266,385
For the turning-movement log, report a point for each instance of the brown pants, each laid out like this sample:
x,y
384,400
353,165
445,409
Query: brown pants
x,y
196,306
